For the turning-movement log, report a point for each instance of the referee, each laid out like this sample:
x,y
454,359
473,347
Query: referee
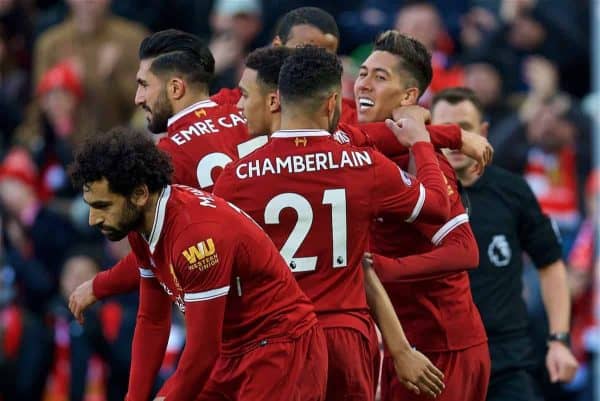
x,y
507,220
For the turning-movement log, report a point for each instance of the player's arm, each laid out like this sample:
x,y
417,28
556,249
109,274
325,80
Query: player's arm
x,y
542,244
150,337
394,192
225,185
205,284
456,252
121,278
414,370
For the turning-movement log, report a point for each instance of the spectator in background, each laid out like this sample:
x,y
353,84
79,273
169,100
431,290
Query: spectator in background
x,y
421,20
55,124
235,25
99,45
547,141
484,78
520,28
35,242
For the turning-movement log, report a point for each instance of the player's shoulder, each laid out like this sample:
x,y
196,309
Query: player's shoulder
x,y
227,96
505,179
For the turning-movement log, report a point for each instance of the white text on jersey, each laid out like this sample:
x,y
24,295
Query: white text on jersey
x,y
303,163
207,126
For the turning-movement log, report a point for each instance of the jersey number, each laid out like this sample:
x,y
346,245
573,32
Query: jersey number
x,y
218,159
334,197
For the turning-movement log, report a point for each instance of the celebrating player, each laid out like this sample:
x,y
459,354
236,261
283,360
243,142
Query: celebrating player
x,y
423,266
303,181
242,305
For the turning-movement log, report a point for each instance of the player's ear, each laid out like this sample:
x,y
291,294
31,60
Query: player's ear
x,y
176,88
139,195
277,41
273,102
410,97
485,126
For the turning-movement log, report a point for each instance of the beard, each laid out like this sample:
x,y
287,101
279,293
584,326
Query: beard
x,y
131,218
160,113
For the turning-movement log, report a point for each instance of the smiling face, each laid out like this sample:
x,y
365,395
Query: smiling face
x,y
151,95
379,88
254,103
114,214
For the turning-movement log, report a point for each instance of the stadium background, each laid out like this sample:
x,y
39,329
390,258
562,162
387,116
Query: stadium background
x,y
67,69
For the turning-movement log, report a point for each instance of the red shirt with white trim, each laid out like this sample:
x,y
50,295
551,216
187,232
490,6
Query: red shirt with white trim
x,y
316,199
436,308
202,138
221,270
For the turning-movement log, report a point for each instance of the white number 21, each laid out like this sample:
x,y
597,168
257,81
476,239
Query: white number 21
x,y
334,197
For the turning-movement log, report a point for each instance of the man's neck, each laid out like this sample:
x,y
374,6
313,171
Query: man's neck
x,y
467,176
187,101
275,123
150,215
299,122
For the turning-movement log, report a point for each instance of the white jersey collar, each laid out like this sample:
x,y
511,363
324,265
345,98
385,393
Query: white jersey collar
x,y
199,105
294,133
159,217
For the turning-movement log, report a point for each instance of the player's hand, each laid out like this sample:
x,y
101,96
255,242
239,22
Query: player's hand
x,y
81,299
367,260
560,362
477,148
414,111
418,374
408,131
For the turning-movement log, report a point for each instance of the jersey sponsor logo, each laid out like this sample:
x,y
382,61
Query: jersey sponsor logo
x,y
309,162
201,256
499,251
341,137
206,126
300,141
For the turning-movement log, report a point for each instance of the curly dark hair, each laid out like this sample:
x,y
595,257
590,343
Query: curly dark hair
x,y
125,157
313,16
308,75
267,62
181,52
414,57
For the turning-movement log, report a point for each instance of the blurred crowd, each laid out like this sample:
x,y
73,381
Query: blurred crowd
x,y
67,70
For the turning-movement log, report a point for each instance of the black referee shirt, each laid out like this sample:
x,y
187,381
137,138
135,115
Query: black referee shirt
x,y
507,220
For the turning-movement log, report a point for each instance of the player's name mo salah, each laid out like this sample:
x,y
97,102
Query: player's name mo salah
x,y
303,163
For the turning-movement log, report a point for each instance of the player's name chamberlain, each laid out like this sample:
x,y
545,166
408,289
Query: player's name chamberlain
x,y
303,163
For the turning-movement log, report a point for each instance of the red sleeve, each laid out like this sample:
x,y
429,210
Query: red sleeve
x,y
121,278
227,96
225,187
149,339
179,167
382,138
425,197
205,284
457,252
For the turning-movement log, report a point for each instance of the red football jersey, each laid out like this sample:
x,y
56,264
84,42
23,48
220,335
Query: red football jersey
x,y
438,314
202,138
316,198
201,248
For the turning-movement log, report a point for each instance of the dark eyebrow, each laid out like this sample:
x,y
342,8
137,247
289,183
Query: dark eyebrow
x,y
141,81
98,204
377,69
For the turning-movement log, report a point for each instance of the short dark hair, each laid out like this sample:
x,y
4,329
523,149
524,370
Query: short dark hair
x,y
178,51
313,16
456,95
414,57
125,157
267,62
309,74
